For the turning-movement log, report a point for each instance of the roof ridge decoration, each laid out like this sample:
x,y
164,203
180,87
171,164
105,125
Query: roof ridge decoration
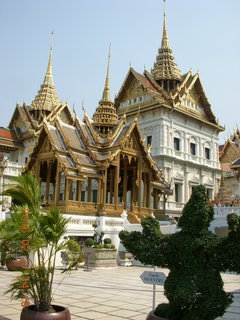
x,y
165,67
46,98
105,116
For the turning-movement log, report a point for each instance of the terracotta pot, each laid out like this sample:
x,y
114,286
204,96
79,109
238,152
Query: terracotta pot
x,y
60,313
151,316
15,264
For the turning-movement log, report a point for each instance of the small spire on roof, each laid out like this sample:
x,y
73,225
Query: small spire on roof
x,y
47,98
106,91
49,77
165,41
105,116
165,67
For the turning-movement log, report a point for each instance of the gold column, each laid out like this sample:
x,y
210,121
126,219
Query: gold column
x,y
99,193
155,196
125,183
89,189
111,185
58,180
133,195
79,190
70,189
145,190
148,191
104,188
66,198
49,167
164,203
116,185
139,184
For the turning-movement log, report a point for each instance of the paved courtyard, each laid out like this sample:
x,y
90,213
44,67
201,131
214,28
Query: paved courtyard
x,y
106,294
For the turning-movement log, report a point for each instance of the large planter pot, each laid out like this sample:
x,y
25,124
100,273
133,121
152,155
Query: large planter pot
x,y
151,316
60,313
15,264
101,258
125,258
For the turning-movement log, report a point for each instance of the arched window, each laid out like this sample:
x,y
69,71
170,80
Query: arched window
x,y
177,141
207,151
193,146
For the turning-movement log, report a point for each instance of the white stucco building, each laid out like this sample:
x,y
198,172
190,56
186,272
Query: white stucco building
x,y
177,122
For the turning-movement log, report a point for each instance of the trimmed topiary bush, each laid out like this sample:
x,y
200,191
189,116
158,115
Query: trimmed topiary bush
x,y
195,258
107,246
89,242
107,241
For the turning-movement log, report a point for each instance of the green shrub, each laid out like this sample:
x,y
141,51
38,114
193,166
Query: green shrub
x,y
107,241
89,242
101,246
112,246
195,258
107,246
96,245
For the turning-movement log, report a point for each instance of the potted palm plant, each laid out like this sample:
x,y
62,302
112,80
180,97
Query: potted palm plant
x,y
195,258
40,235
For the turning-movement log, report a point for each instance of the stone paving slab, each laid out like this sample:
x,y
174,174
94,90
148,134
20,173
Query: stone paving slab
x,y
107,294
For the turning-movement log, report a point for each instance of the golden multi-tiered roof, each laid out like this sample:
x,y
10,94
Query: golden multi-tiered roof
x,y
47,98
105,116
165,67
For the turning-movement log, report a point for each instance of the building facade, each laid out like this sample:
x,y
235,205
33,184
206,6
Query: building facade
x,y
177,123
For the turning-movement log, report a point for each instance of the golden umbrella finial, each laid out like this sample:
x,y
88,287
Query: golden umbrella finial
x,y
106,91
49,77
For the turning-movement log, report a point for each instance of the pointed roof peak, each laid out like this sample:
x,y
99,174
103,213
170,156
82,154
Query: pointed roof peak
x,y
106,91
46,98
165,67
105,116
49,77
165,41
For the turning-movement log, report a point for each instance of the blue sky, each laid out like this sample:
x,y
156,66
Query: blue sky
x,y
204,35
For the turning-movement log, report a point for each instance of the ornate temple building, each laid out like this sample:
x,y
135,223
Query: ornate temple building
x,y
93,170
177,122
229,155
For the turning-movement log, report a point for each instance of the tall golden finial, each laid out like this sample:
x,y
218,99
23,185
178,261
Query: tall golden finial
x,y
165,41
49,77
106,91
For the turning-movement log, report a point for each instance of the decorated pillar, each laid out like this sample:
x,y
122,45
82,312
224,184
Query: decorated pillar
x,y
89,189
125,184
139,184
116,179
48,178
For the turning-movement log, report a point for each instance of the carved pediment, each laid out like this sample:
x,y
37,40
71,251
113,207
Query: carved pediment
x,y
133,90
46,147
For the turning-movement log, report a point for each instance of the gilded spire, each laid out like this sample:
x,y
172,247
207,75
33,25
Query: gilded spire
x,y
46,98
165,41
106,91
49,77
105,116
165,67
